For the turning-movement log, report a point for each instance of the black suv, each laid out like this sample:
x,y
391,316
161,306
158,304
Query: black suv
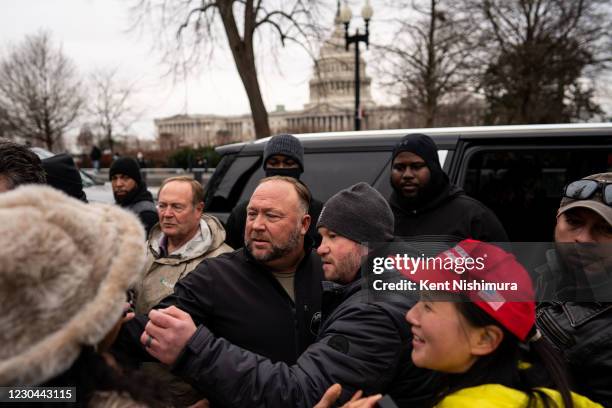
x,y
517,171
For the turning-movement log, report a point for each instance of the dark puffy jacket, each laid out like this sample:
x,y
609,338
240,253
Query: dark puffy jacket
x,y
582,332
236,223
450,216
362,344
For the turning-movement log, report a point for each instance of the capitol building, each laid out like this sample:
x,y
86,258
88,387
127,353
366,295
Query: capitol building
x,y
330,107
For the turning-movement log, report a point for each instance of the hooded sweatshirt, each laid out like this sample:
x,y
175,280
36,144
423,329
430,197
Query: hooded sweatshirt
x,y
442,212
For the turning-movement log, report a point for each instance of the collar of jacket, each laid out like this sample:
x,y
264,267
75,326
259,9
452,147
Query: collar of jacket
x,y
399,203
217,235
334,294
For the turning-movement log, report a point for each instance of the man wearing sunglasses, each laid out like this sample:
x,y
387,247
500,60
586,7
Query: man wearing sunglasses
x,y
575,286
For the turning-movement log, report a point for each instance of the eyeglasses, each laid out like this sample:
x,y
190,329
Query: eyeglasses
x,y
176,208
585,189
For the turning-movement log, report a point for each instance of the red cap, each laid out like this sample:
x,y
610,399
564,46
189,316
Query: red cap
x,y
489,276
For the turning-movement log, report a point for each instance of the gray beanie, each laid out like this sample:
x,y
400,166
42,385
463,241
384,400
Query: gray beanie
x,y
359,213
287,145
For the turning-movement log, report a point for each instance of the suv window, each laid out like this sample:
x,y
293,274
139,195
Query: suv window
x,y
236,170
524,186
327,173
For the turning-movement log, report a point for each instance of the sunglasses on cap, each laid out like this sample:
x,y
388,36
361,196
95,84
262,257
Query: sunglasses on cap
x,y
585,189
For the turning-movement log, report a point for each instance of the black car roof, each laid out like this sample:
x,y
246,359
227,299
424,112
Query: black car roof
x,y
445,138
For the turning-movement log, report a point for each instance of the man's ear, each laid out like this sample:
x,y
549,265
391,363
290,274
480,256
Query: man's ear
x,y
306,219
200,206
486,340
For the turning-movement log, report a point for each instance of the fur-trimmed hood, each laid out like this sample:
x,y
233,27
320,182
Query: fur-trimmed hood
x,y
65,268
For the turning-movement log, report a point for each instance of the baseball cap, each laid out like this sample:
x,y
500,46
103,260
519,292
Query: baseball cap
x,y
586,194
489,277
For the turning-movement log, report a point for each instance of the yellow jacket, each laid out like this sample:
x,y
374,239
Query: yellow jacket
x,y
499,396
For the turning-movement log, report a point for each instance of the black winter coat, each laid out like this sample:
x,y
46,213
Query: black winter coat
x,y
240,300
362,345
236,223
581,331
450,216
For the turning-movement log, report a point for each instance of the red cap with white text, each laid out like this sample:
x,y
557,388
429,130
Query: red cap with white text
x,y
490,277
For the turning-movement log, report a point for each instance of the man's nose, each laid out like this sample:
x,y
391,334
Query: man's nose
x,y
259,223
408,173
167,212
585,235
322,249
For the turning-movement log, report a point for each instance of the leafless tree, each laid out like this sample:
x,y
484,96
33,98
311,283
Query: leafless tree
x,y
542,57
429,60
40,91
111,105
200,26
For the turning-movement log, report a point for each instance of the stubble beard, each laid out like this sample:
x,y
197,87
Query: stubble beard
x,y
277,251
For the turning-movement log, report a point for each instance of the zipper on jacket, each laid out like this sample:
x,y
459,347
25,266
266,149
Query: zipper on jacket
x,y
553,331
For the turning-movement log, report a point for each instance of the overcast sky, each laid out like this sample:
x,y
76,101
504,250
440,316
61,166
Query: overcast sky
x,y
94,33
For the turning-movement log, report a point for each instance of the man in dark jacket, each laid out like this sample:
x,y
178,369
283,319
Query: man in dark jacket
x,y
283,156
427,206
131,192
264,297
362,344
575,286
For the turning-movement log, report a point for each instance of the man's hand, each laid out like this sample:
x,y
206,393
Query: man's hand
x,y
167,333
333,393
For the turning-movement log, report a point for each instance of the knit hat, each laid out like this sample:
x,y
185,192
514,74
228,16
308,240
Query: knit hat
x,y
358,213
287,145
421,145
65,269
127,166
593,194
475,263
63,174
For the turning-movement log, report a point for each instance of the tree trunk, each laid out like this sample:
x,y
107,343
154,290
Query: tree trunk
x,y
430,79
244,56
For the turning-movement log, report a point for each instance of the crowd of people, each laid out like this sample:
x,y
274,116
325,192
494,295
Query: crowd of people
x,y
156,303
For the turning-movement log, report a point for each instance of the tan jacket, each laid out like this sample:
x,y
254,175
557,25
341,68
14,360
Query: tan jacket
x,y
162,273
159,279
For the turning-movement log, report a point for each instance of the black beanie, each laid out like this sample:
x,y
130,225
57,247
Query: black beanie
x,y
287,145
421,145
63,175
359,213
127,166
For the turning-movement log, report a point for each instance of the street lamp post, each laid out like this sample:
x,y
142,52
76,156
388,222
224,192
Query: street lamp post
x,y
345,16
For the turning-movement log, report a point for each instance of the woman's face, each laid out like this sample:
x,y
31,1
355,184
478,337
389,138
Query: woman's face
x,y
442,338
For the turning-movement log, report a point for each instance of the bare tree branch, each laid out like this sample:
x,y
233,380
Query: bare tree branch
x,y
235,24
40,92
111,107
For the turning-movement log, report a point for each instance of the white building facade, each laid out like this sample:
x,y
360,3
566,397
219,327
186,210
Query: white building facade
x,y
331,106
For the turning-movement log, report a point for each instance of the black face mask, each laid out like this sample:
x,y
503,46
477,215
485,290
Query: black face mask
x,y
294,173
